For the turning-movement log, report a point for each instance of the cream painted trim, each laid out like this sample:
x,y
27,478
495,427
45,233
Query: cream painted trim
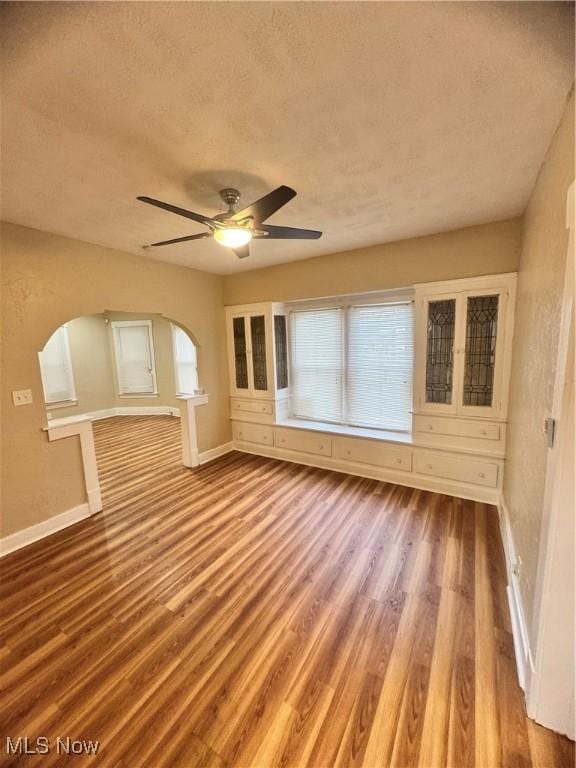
x,y
522,649
408,479
60,404
215,453
108,413
190,454
46,528
84,430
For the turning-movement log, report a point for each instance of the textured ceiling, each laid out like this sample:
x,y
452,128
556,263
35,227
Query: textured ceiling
x,y
389,119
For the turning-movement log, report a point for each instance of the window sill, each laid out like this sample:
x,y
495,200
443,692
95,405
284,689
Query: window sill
x,y
342,429
60,404
137,396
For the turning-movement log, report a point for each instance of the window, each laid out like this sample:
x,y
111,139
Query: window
x,y
134,356
317,364
353,364
184,362
56,369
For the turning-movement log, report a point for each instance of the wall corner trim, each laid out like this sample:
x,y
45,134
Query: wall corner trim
x,y
46,528
522,650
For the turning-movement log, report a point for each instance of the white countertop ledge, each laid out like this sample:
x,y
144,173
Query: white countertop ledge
x,y
388,436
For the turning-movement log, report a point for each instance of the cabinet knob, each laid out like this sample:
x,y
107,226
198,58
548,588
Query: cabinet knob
x,y
481,474
430,426
428,466
348,453
482,431
263,409
321,446
398,461
240,434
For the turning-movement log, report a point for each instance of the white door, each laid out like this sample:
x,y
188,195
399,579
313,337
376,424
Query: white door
x,y
551,692
134,356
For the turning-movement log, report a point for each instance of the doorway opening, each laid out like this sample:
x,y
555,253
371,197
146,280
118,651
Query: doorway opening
x,y
128,380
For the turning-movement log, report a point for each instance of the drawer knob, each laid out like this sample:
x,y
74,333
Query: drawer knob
x,y
430,426
483,432
282,440
398,461
263,409
321,446
348,453
240,434
481,474
428,466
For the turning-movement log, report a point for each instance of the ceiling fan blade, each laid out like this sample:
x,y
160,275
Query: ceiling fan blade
x,y
182,239
180,211
267,205
288,233
242,252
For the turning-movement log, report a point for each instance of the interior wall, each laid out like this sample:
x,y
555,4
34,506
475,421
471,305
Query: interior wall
x,y
48,280
540,285
91,365
469,252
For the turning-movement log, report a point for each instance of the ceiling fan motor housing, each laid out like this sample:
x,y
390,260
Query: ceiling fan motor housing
x,y
230,197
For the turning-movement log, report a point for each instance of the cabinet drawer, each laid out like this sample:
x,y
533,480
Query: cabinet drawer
x,y
307,442
455,468
250,406
253,433
370,452
430,425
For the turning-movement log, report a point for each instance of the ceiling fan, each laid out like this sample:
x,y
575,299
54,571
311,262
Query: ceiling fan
x,y
235,229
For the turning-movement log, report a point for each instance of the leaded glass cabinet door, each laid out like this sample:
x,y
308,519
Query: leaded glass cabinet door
x,y
438,338
480,393
259,358
241,381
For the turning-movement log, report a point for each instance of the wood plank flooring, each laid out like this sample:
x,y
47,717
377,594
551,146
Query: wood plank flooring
x,y
255,613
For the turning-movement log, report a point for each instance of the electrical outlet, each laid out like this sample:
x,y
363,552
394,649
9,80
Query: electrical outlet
x,y
22,397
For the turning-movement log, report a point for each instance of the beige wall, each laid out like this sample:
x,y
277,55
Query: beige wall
x,y
48,280
468,252
92,366
91,350
540,282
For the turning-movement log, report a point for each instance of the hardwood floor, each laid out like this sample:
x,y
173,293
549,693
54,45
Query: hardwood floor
x,y
258,613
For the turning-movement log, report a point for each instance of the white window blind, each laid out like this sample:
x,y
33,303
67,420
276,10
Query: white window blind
x,y
380,362
56,368
184,362
134,357
353,365
317,364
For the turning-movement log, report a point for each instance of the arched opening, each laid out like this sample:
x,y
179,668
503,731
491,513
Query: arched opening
x,y
129,381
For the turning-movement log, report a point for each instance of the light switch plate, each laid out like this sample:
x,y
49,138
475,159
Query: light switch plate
x,y
22,397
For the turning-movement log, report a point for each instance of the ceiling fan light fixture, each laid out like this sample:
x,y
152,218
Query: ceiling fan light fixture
x,y
233,237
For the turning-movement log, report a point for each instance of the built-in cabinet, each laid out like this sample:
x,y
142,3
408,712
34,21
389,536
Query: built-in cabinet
x,y
257,356
463,347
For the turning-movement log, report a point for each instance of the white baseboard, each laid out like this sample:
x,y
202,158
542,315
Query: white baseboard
x,y
214,453
522,650
408,479
39,531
